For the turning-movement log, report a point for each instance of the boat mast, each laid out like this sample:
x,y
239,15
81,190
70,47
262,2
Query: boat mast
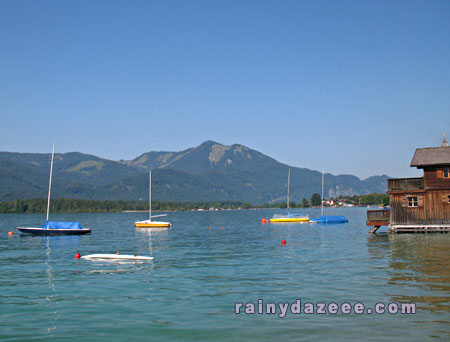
x,y
323,173
289,185
150,195
50,181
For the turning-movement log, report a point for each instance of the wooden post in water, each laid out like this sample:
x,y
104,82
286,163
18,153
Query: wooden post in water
x,y
374,229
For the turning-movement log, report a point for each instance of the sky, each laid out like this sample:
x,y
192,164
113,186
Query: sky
x,y
352,87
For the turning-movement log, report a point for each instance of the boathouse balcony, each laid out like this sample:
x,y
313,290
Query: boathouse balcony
x,y
406,184
378,218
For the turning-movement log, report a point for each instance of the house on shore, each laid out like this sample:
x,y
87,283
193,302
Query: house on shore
x,y
419,205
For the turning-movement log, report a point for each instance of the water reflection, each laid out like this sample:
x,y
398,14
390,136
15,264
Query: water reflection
x,y
65,242
52,301
149,235
103,266
418,265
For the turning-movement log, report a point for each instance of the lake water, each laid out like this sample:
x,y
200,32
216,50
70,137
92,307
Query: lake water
x,y
188,293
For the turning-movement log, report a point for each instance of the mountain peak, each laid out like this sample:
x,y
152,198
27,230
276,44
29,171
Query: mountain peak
x,y
209,143
210,171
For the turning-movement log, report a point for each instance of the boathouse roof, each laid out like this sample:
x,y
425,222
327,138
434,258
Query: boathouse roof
x,y
431,156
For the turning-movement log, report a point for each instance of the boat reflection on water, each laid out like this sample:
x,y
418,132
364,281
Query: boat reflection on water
x,y
419,266
52,299
150,235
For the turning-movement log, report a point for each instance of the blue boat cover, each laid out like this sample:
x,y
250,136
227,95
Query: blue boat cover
x,y
62,225
331,219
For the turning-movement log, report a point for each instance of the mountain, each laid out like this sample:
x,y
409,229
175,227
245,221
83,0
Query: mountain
x,y
208,172
204,158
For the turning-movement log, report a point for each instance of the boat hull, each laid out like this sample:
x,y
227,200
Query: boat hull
x,y
152,224
116,257
45,231
287,219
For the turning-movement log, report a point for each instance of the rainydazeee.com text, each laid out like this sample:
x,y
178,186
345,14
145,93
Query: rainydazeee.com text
x,y
281,309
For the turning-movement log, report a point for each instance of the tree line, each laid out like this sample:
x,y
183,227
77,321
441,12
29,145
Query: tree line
x,y
65,205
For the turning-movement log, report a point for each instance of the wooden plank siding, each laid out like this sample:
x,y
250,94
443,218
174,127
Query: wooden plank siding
x,y
378,217
405,184
433,208
434,179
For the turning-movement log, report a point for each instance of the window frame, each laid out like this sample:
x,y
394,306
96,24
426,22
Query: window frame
x,y
413,201
446,172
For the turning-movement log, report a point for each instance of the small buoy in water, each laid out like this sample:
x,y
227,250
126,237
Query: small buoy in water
x,y
263,220
283,242
209,227
11,233
77,256
223,227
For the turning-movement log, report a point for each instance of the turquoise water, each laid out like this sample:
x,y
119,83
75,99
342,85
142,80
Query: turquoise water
x,y
188,293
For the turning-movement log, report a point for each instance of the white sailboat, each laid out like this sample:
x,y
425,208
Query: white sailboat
x,y
150,223
52,227
289,217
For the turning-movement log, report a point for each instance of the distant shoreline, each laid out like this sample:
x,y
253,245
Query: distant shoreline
x,y
64,205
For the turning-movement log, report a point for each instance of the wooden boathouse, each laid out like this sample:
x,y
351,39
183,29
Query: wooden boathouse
x,y
419,205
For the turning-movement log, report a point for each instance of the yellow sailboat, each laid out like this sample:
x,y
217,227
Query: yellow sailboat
x,y
150,223
289,217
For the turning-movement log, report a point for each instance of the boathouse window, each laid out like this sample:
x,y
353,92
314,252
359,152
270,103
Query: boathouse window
x,y
413,202
446,172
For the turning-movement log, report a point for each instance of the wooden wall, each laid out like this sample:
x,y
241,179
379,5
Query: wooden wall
x,y
433,208
434,178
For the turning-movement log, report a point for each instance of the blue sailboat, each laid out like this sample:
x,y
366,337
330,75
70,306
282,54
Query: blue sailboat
x,y
53,227
331,219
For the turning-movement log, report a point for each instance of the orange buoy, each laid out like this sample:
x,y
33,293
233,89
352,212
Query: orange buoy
x,y
11,233
77,256
283,242
263,220
223,227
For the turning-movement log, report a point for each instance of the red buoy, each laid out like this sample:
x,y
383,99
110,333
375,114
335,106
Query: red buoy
x,y
77,256
223,227
209,227
263,220
283,242
11,233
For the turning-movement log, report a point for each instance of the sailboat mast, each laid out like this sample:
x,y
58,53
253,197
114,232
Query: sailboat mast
x,y
150,195
323,174
50,181
289,185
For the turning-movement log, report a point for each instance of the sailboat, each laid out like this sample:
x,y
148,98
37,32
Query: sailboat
x,y
149,223
289,217
330,218
53,227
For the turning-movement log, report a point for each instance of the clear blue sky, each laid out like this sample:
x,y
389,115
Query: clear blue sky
x,y
350,86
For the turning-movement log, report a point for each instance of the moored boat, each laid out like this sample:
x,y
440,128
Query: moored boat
x,y
116,257
335,219
53,227
149,223
56,228
289,217
152,224
330,219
